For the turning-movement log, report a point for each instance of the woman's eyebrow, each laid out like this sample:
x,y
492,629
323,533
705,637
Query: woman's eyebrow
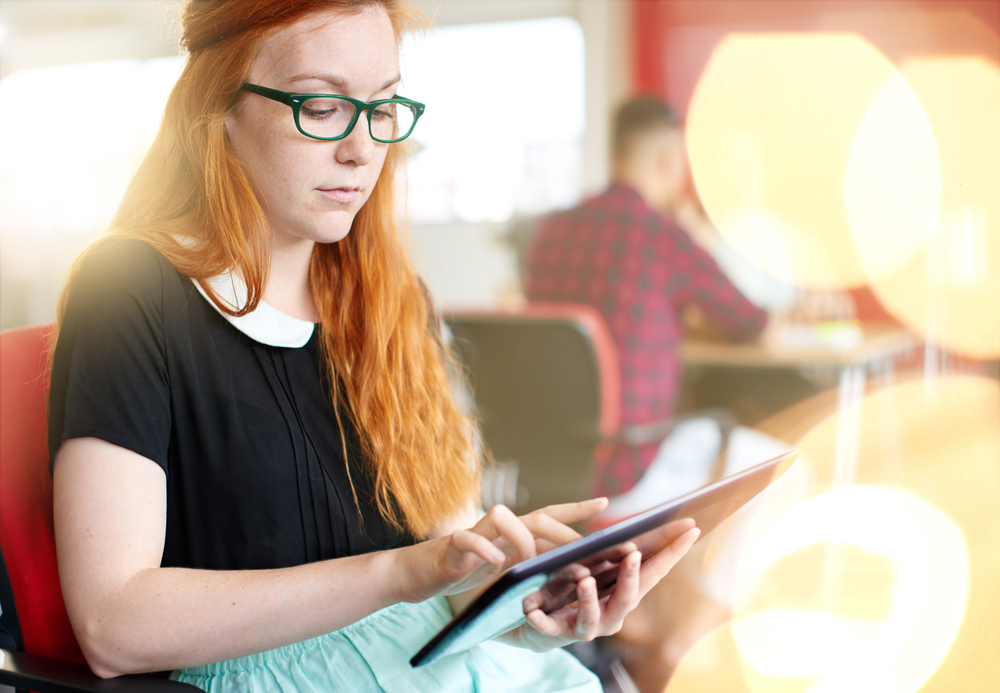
x,y
341,84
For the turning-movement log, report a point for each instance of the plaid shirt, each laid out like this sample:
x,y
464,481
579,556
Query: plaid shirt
x,y
639,269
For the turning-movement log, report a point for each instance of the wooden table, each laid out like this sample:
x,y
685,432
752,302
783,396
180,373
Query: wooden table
x,y
876,344
873,353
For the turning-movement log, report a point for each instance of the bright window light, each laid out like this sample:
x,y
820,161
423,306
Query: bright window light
x,y
504,123
71,138
501,136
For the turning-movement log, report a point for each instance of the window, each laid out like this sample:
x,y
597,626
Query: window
x,y
70,143
502,135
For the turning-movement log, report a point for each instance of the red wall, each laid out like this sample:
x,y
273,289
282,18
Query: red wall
x,y
673,39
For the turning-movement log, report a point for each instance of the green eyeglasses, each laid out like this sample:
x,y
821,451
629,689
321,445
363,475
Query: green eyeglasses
x,y
330,117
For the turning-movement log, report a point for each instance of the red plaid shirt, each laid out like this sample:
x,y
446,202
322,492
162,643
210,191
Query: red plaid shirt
x,y
638,268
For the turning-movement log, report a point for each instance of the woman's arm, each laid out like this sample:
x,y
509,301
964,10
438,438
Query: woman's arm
x,y
132,616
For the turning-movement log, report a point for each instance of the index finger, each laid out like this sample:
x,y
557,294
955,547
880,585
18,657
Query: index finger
x,y
568,513
547,529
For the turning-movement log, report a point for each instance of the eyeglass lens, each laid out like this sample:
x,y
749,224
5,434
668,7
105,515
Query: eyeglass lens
x,y
328,117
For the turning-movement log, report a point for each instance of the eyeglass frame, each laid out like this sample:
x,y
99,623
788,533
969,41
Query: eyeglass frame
x,y
295,101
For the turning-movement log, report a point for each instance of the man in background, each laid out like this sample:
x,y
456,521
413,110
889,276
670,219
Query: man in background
x,y
624,253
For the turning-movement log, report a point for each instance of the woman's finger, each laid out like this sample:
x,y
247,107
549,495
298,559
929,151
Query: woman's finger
x,y
568,513
558,592
660,563
543,545
559,624
625,595
549,529
612,556
653,541
500,523
588,616
468,542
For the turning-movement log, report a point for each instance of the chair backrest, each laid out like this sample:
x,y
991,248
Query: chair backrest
x,y
546,387
26,532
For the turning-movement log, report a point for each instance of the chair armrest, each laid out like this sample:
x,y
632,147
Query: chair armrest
x,y
47,675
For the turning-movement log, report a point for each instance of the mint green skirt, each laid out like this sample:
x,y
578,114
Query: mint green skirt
x,y
374,655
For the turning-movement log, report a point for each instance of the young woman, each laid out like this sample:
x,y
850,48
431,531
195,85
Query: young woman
x,y
261,480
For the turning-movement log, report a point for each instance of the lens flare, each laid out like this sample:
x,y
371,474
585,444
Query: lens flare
x,y
892,185
888,584
891,608
795,139
949,290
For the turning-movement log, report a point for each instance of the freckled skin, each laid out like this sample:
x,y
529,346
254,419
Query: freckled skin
x,y
289,171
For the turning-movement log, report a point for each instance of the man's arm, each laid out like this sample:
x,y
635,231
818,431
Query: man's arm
x,y
707,288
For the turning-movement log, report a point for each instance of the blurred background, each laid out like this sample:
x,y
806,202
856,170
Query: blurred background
x,y
848,150
110,66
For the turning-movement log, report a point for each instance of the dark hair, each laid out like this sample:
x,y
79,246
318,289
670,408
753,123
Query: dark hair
x,y
637,117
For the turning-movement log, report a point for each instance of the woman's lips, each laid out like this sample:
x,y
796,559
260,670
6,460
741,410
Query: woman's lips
x,y
341,194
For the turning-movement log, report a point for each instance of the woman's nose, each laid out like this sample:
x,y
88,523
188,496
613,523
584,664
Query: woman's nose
x,y
358,147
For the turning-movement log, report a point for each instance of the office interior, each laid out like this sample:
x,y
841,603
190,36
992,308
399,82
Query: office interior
x,y
848,150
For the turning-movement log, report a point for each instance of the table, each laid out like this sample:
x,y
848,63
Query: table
x,y
876,344
873,352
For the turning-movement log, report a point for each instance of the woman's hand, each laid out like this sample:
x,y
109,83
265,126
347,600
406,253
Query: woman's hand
x,y
597,612
469,558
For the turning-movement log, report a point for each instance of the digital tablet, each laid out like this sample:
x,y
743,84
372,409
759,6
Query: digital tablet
x,y
500,609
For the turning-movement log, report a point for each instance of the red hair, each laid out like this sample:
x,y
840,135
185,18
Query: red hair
x,y
384,359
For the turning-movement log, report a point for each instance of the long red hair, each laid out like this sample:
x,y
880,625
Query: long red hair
x,y
386,365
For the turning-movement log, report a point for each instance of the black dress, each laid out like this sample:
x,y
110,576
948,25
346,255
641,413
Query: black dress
x,y
245,432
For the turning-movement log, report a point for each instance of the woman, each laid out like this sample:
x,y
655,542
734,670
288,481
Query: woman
x,y
261,480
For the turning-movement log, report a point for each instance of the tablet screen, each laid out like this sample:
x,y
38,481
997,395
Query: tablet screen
x,y
500,607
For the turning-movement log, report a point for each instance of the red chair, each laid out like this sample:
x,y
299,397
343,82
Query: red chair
x,y
39,650
547,390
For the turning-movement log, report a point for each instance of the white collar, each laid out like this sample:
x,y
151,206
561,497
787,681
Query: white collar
x,y
266,324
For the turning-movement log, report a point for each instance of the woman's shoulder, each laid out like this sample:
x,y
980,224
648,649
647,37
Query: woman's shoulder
x,y
118,264
121,279
123,255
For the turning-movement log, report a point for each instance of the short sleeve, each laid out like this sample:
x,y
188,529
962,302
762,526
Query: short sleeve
x,y
109,374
